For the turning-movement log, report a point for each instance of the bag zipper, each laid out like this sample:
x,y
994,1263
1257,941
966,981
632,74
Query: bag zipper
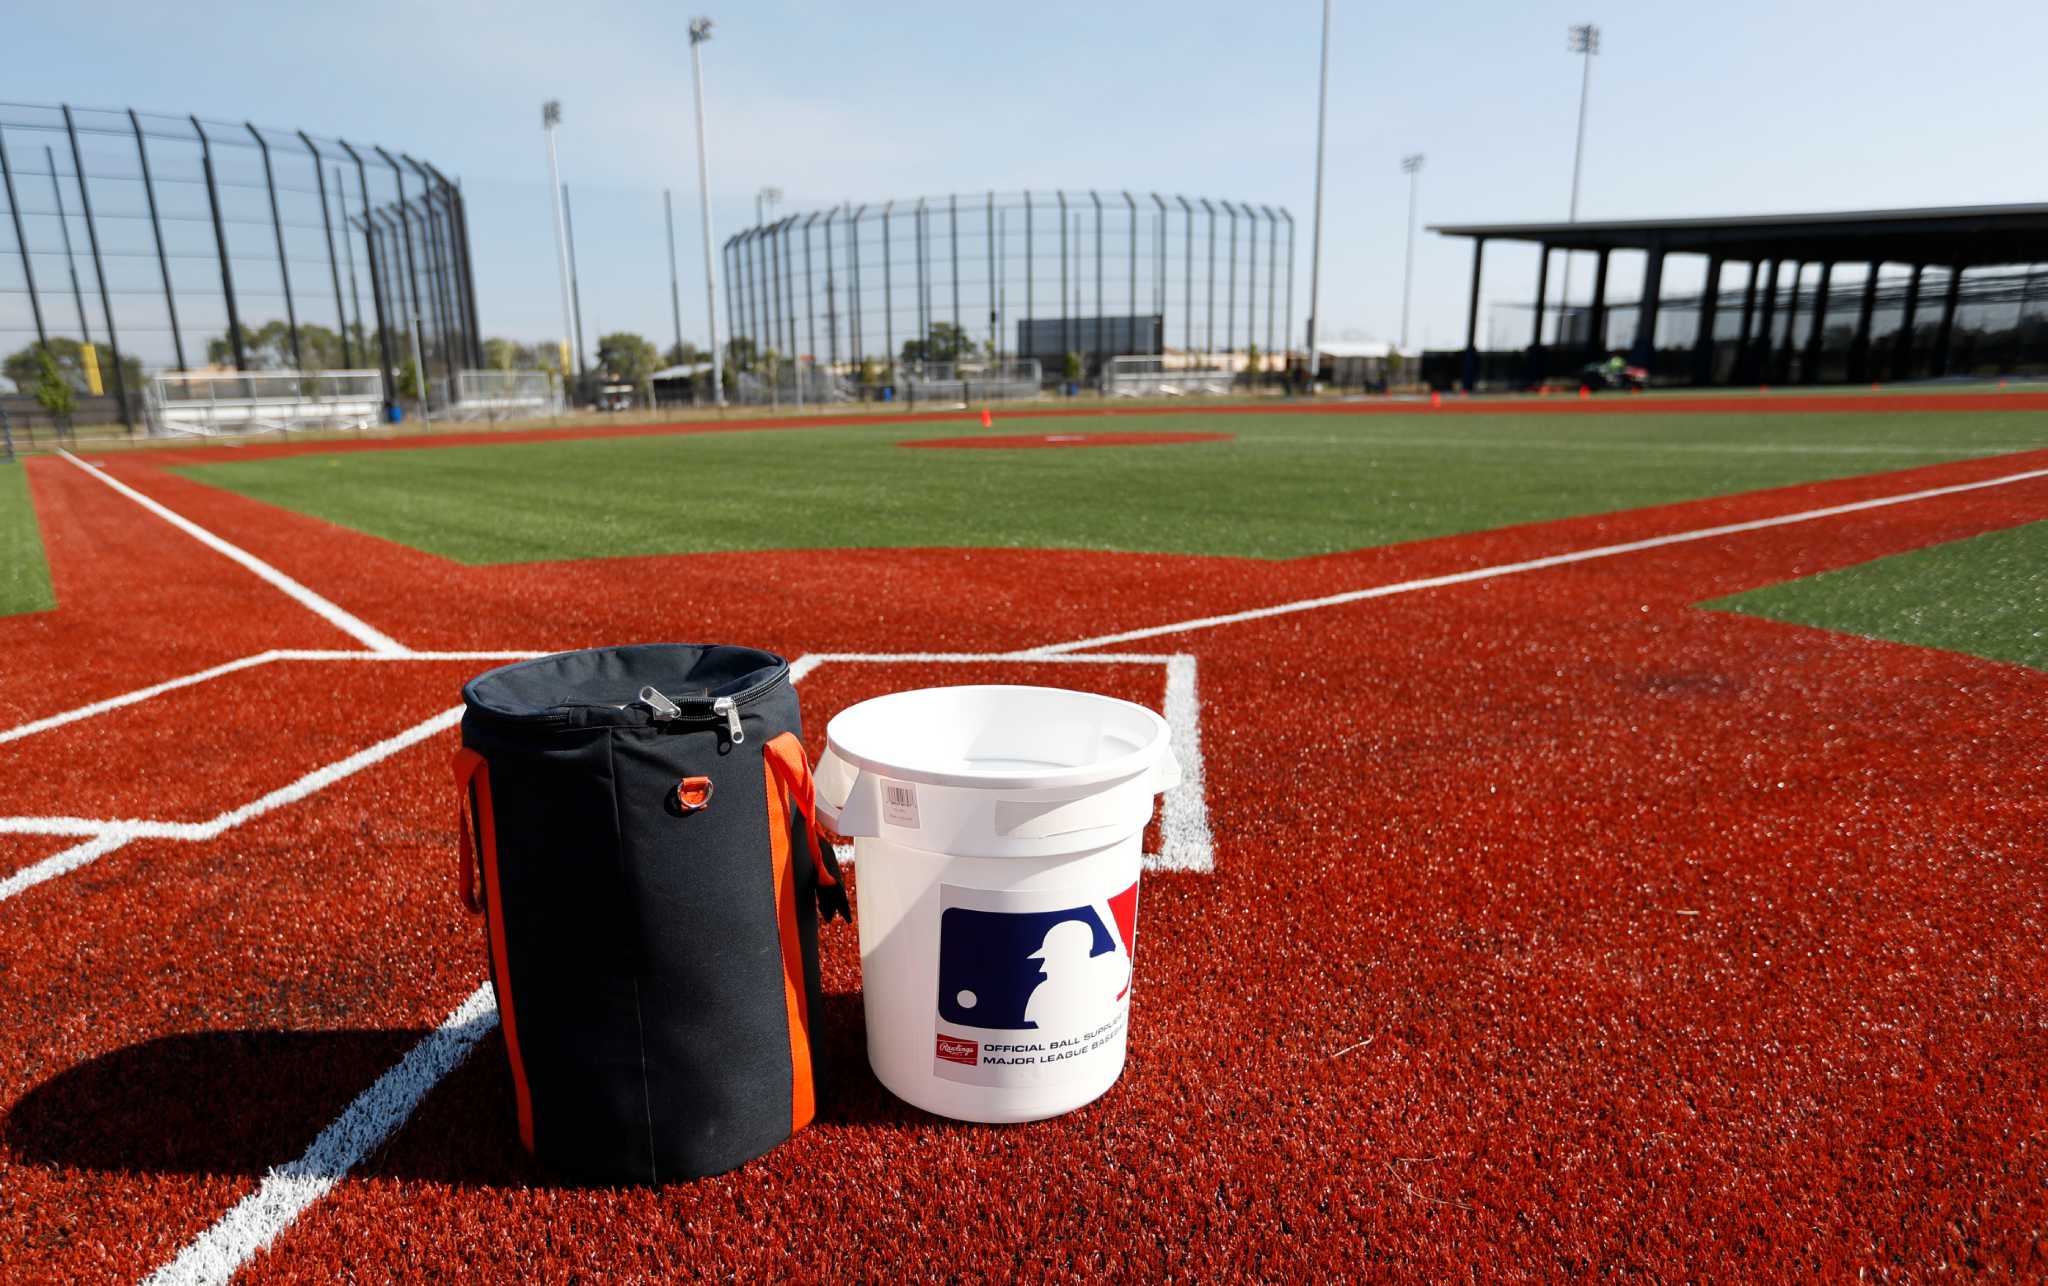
x,y
728,708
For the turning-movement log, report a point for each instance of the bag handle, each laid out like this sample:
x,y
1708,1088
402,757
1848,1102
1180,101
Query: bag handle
x,y
792,767
472,772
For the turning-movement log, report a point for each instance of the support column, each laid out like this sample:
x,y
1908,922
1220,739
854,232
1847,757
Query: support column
x,y
1710,308
1781,358
1902,347
1944,339
1859,347
1596,309
1816,338
1644,351
1760,351
1471,371
1534,370
1742,336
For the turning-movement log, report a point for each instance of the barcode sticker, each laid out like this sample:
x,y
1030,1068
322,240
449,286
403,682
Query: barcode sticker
x,y
899,804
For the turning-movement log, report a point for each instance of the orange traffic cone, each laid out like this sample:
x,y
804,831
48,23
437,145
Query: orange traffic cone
x,y
1585,394
987,420
1435,398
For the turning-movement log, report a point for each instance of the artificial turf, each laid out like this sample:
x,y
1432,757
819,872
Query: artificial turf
x,y
1987,596
24,577
1287,486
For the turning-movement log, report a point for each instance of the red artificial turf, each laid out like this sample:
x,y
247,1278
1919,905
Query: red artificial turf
x,y
1026,441
1559,927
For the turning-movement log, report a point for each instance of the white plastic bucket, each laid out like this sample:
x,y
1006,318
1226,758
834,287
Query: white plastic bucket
x,y
998,835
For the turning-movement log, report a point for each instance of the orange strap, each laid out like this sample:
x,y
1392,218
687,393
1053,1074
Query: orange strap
x,y
473,773
787,760
469,773
776,757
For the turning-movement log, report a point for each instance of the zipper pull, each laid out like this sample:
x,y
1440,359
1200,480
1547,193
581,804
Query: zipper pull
x,y
664,709
726,707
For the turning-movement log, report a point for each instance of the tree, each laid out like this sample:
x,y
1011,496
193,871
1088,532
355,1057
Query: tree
x,y
946,343
269,347
1071,371
53,392
628,358
684,354
24,367
408,378
501,354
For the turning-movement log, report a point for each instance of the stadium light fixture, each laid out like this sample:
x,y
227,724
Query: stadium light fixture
x,y
1584,40
550,121
1411,165
1315,253
764,201
700,31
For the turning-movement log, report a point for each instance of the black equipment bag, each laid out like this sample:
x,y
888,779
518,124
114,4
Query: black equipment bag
x,y
652,875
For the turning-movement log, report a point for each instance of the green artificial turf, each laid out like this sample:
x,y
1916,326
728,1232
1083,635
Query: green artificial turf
x,y
1289,485
1987,596
24,577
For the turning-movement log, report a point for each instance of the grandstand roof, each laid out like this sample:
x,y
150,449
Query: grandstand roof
x,y
1971,235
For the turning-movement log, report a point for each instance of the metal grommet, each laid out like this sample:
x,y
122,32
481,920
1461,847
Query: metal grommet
x,y
693,794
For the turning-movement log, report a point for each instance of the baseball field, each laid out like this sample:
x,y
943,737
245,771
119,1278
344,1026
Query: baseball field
x,y
1612,842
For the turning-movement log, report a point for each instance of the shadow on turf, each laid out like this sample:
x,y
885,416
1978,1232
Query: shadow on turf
x,y
241,1102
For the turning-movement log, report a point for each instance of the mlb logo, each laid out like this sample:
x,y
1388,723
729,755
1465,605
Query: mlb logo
x,y
1058,970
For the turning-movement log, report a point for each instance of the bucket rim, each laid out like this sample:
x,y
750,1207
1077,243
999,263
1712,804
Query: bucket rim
x,y
1144,759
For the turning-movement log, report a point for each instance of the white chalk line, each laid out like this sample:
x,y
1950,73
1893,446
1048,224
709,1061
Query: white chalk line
x,y
1516,568
104,836
254,1222
1510,442
61,718
348,623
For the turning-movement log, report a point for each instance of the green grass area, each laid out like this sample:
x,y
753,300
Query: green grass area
x,y
24,577
1290,485
1987,596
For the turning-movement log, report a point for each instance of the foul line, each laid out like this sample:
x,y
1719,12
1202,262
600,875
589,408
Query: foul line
x,y
77,713
364,1126
103,837
353,626
1511,569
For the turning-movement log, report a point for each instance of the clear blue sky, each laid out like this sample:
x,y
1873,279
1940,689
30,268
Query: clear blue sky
x,y
1737,106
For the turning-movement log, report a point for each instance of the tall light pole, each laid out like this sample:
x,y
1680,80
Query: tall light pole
x,y
550,121
1584,41
765,200
1411,165
700,31
1315,254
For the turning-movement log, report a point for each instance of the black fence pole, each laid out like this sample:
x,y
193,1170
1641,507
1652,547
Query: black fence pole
x,y
1187,278
1703,342
1251,280
888,300
333,262
441,275
99,271
1101,344
220,242
1859,347
1272,273
348,253
1230,306
855,334
953,222
284,267
28,271
1131,319
1290,278
463,284
384,368
70,257
163,261
1066,322
1902,347
811,295
1817,338
1209,293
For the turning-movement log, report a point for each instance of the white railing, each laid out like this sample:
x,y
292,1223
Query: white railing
x,y
1156,377
498,395
213,403
973,381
